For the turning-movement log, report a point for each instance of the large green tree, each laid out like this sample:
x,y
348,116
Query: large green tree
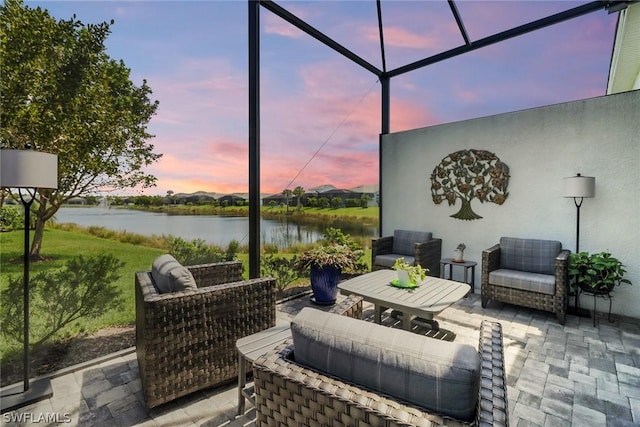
x,y
62,94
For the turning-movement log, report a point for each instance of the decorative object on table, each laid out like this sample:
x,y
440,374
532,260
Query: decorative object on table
x,y
458,253
409,275
327,261
467,175
578,187
33,172
596,274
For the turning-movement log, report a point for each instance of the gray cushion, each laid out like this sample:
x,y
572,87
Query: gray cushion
x,y
532,255
439,376
404,241
533,282
388,260
170,276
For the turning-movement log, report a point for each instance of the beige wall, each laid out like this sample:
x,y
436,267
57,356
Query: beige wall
x,y
595,137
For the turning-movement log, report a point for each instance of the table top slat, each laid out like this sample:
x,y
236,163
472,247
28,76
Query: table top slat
x,y
431,297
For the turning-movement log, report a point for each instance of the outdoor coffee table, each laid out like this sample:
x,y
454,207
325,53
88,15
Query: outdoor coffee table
x,y
430,298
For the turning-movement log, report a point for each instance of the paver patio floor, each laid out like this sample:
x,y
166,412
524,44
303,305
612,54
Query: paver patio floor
x,y
575,374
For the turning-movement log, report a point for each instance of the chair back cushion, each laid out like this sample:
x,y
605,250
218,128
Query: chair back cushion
x,y
532,255
404,241
170,276
437,375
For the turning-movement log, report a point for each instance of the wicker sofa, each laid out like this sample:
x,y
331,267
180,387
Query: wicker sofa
x,y
416,247
290,394
185,341
527,272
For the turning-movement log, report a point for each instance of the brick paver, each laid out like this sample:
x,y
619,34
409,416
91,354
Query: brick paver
x,y
576,375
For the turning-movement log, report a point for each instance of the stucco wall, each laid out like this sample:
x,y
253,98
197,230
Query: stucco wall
x,y
595,137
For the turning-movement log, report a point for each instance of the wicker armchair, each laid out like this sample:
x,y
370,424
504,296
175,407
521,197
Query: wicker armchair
x,y
417,247
288,394
522,287
185,341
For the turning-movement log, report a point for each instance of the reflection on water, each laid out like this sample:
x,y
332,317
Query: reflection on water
x,y
213,229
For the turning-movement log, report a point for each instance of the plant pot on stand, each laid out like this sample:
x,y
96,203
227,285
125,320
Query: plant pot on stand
x,y
324,284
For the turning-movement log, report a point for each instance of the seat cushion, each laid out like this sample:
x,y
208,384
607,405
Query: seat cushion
x,y
439,376
404,241
531,255
170,276
525,281
389,259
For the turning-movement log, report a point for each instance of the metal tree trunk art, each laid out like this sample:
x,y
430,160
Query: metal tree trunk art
x,y
467,175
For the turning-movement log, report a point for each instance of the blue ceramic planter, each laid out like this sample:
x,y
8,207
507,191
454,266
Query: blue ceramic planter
x,y
324,284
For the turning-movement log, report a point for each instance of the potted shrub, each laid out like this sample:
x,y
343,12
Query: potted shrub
x,y
409,276
596,273
326,262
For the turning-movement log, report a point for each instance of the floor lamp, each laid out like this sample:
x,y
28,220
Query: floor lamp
x,y
27,170
579,187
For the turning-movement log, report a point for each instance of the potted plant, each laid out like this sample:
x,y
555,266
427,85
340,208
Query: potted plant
x,y
596,273
409,276
326,262
458,253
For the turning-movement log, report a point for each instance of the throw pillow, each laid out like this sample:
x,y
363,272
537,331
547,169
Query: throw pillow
x,y
171,276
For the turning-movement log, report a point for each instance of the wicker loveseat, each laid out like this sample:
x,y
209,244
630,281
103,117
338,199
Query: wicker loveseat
x,y
527,272
185,341
416,247
290,394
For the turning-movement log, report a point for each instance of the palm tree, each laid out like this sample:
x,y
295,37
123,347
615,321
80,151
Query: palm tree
x,y
298,192
287,193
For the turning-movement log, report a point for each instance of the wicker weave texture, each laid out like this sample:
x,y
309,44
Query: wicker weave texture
x,y
351,306
288,394
427,254
556,303
185,341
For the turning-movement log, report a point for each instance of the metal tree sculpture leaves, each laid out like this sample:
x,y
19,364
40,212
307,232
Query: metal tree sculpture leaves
x,y
467,175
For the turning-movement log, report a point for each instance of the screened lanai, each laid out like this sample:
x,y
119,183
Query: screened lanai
x,y
465,23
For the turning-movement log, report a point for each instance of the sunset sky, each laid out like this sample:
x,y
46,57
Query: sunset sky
x,y
193,55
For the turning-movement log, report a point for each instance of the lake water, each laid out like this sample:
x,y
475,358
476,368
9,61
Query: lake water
x,y
213,229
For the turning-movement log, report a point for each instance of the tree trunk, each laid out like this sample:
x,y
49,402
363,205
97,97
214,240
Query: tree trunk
x,y
465,212
42,215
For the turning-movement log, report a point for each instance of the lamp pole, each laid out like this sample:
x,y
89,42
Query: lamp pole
x,y
578,204
25,282
30,171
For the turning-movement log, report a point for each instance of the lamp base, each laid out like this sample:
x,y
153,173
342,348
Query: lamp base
x,y
14,396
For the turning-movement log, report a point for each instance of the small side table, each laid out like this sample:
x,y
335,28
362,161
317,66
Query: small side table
x,y
466,264
249,349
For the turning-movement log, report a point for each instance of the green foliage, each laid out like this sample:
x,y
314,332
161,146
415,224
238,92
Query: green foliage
x,y
194,252
364,200
82,288
64,95
597,271
336,202
11,218
232,249
337,249
417,273
280,268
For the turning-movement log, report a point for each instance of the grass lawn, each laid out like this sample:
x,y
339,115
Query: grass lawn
x,y
59,246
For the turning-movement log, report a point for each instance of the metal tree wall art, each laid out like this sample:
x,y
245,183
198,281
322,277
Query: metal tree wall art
x,y
467,175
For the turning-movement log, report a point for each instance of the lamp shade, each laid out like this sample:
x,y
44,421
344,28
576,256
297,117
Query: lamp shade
x,y
28,169
580,186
